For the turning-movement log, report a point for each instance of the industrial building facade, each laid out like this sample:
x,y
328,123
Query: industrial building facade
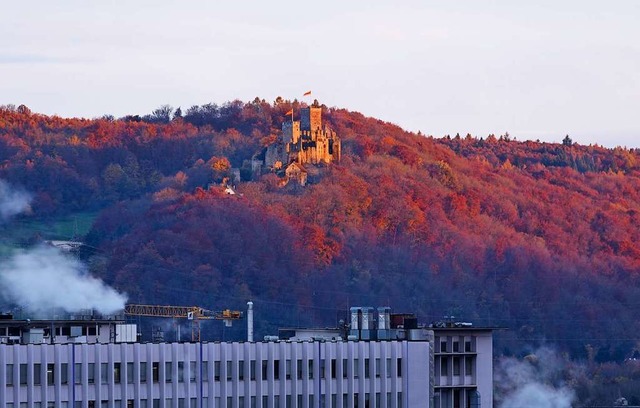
x,y
376,360
305,374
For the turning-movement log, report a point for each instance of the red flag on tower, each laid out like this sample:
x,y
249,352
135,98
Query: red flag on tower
x,y
307,93
290,112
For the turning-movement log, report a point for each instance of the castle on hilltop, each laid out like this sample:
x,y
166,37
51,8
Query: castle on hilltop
x,y
300,148
307,141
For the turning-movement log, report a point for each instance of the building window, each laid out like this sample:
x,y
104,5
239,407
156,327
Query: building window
x,y
104,373
129,373
192,371
130,403
377,367
467,346
193,403
311,369
299,369
388,368
50,374
155,373
229,368
444,366
181,403
399,364
9,373
241,401
468,366
241,370
345,369
356,367
333,368
37,372
143,372
167,371
205,371
287,369
229,401
443,346
216,371
64,373
180,371
252,370
116,373
456,366
156,403
322,368
77,373
399,405
91,373
366,369
276,369
456,346
264,370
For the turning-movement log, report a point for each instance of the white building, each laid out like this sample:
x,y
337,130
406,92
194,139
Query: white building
x,y
463,366
106,367
265,374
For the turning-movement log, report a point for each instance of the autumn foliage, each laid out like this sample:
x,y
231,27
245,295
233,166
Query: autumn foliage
x,y
539,238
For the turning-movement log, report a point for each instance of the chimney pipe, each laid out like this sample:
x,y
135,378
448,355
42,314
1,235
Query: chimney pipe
x,y
250,321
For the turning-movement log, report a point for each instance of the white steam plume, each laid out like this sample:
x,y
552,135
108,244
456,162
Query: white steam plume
x,y
535,382
43,279
12,201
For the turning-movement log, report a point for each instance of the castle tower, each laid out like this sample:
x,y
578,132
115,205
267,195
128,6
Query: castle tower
x,y
290,132
311,118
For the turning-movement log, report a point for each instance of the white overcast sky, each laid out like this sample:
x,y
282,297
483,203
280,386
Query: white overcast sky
x,y
536,69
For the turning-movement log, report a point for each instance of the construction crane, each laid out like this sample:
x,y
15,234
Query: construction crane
x,y
193,313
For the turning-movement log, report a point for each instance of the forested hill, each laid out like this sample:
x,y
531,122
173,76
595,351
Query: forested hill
x,y
540,238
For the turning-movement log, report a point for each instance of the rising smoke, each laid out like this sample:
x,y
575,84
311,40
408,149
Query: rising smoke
x,y
537,381
12,201
44,279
